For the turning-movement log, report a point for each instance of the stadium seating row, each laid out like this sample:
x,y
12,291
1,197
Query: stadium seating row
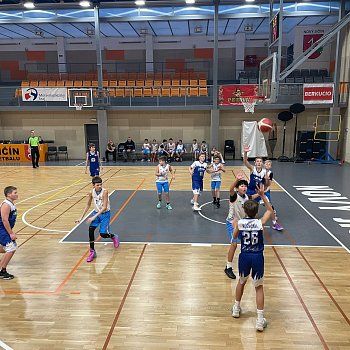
x,y
113,83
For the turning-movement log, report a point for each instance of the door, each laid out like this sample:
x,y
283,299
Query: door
x,y
91,136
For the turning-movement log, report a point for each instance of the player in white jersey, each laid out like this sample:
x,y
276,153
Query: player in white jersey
x,y
216,169
154,151
100,216
146,151
8,216
238,195
162,174
171,149
195,149
251,259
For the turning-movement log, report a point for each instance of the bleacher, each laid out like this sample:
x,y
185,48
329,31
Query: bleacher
x,y
127,84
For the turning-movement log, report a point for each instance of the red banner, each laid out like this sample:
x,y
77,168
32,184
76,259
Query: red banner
x,y
318,93
310,39
229,95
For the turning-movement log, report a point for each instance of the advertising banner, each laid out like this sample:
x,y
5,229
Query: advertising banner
x,y
12,153
39,94
229,95
318,93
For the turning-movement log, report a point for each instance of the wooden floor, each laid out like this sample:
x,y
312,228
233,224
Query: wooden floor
x,y
154,296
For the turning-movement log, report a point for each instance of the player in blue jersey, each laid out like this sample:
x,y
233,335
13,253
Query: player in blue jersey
x,y
93,160
197,170
8,216
268,167
250,230
258,173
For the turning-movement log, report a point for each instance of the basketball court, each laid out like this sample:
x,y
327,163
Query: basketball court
x,y
165,286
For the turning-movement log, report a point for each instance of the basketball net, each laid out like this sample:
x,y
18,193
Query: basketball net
x,y
249,103
78,107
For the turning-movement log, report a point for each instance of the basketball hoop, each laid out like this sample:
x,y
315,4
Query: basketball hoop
x,y
249,103
78,106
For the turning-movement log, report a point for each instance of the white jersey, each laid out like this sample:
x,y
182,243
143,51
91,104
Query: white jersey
x,y
216,176
171,146
236,208
98,200
180,147
195,147
146,146
164,172
154,147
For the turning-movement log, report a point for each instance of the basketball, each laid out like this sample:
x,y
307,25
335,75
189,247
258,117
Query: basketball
x,y
265,125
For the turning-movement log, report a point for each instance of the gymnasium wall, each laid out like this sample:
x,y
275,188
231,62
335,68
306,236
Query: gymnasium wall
x,y
68,128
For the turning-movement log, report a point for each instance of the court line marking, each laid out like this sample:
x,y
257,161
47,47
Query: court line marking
x,y
212,244
40,204
315,219
325,346
83,162
324,287
5,346
114,323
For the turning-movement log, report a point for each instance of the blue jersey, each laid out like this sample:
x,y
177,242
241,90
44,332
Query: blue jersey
x,y
198,171
255,179
251,235
12,216
93,160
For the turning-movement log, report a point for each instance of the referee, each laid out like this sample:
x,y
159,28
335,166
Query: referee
x,y
33,142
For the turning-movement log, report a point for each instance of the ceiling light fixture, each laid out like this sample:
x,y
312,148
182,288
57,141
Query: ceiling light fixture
x,y
29,4
249,0
190,2
140,2
85,3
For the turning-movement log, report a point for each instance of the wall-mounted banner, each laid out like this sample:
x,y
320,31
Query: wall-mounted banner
x,y
39,94
318,93
12,153
229,95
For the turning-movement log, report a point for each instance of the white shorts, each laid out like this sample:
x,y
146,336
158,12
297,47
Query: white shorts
x,y
10,247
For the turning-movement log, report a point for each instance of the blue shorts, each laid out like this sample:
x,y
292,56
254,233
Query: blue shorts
x,y
94,171
179,150
215,185
230,228
251,264
146,151
197,187
268,195
102,220
162,186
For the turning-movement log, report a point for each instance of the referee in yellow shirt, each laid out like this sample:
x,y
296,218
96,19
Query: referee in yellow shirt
x,y
33,142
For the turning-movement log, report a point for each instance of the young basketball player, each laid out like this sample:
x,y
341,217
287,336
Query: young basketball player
x,y
197,170
204,149
258,173
101,216
250,230
214,152
180,150
268,167
154,152
146,151
237,198
171,149
216,169
162,173
93,160
195,150
8,216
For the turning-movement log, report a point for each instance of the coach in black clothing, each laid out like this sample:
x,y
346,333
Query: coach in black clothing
x,y
129,150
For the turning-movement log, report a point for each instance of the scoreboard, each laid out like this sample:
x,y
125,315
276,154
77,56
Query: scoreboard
x,y
274,28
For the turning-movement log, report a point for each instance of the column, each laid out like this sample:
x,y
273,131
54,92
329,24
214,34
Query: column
x,y
240,53
101,116
61,55
149,53
214,127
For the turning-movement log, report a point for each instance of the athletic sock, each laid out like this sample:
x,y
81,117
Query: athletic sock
x,y
229,264
92,245
260,314
218,200
237,304
274,222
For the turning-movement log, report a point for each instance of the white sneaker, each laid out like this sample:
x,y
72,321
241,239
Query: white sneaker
x,y
196,208
192,201
236,310
260,325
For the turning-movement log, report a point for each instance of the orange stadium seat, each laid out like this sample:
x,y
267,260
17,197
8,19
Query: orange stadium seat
x,y
175,92
113,83
78,83
203,91
193,82
138,92
25,83
60,83
193,91
165,92
119,92
86,83
34,83
51,83
147,92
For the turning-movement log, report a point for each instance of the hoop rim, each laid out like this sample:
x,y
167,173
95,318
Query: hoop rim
x,y
79,106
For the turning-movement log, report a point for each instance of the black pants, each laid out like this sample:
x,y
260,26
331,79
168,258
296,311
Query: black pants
x,y
114,153
34,150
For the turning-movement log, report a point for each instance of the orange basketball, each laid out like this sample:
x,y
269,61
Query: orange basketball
x,y
265,125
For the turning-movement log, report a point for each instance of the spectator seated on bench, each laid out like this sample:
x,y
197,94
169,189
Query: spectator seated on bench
x,y
129,150
111,149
